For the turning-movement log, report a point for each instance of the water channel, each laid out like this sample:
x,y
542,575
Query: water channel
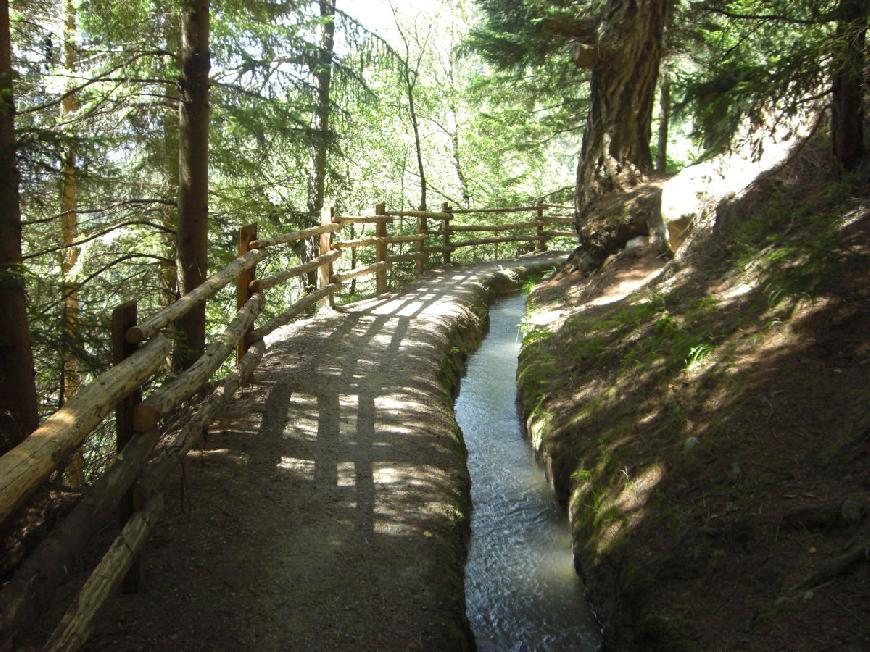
x,y
521,589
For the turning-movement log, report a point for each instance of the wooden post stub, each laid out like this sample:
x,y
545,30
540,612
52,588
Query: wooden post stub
x,y
422,229
324,272
445,208
247,234
124,317
381,248
540,241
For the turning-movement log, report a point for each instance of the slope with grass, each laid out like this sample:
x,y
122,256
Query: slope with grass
x,y
705,420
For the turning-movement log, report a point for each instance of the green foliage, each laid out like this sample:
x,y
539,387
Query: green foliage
x,y
749,59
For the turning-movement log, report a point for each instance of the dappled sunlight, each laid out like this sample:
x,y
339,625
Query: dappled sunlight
x,y
339,472
638,488
305,423
346,476
624,282
219,454
300,468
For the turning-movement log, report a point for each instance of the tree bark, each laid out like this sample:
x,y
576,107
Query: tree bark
x,y
18,407
847,112
192,234
616,152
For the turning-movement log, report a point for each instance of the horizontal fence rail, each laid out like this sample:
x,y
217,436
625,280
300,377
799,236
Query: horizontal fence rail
x,y
134,478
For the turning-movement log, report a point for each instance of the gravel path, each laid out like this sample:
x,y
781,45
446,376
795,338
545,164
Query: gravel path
x,y
328,509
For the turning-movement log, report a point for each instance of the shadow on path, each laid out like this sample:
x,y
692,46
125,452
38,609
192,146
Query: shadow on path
x,y
328,508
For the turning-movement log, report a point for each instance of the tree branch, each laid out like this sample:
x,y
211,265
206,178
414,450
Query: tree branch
x,y
769,17
80,284
98,234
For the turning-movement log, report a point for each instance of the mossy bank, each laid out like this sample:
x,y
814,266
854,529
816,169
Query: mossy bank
x,y
705,421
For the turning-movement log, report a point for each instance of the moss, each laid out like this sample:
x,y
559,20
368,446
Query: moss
x,y
661,632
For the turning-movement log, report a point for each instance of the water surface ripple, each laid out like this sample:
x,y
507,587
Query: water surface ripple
x,y
521,589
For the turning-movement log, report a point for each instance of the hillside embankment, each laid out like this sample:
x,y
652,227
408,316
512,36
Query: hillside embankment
x,y
328,508
704,416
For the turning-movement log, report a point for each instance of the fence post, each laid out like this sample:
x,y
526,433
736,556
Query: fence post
x,y
124,317
540,242
324,272
422,229
381,247
445,208
247,234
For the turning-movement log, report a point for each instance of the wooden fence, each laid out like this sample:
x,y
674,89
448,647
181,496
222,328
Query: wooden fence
x,y
131,485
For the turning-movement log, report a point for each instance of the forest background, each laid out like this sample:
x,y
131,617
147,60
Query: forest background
x,y
314,104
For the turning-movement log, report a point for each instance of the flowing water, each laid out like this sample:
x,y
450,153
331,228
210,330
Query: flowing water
x,y
520,586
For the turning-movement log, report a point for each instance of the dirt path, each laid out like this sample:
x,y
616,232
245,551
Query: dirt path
x,y
328,509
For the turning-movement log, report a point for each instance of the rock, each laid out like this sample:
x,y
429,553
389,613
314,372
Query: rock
x,y
693,195
582,260
619,216
637,243
690,443
852,511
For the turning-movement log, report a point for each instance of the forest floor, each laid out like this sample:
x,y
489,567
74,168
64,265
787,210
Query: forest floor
x,y
705,419
328,508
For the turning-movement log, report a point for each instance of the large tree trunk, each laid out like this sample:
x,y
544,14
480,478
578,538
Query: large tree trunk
x,y
69,189
847,113
192,233
322,133
18,411
625,64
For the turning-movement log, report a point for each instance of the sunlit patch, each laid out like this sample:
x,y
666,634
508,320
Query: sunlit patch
x,y
222,454
544,317
410,309
346,474
304,425
386,475
608,535
298,467
396,403
403,503
649,417
637,489
624,283
738,290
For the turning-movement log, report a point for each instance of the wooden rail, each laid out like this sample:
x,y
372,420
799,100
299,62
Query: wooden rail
x,y
295,236
486,241
353,244
135,477
293,272
495,227
365,219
